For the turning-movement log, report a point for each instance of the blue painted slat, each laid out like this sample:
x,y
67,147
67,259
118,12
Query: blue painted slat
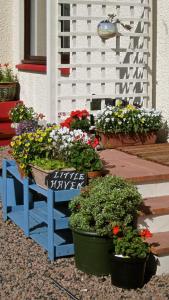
x,y
4,190
65,195
40,235
0,188
26,206
17,216
14,171
64,250
50,203
38,189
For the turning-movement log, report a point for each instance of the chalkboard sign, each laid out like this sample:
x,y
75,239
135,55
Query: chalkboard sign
x,y
65,180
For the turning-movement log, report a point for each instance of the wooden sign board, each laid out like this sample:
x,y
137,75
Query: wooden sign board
x,y
65,180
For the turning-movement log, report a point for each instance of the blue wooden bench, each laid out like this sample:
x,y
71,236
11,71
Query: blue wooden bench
x,y
43,214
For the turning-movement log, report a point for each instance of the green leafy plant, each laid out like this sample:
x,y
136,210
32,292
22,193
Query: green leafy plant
x,y
128,120
84,158
129,242
6,74
105,203
21,113
49,164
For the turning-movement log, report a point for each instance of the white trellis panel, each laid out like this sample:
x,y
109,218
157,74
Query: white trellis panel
x,y
116,68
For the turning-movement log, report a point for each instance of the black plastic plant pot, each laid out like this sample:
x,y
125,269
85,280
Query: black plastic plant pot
x,y
128,273
92,253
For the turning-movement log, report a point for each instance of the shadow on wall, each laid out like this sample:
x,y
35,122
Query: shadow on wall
x,y
163,134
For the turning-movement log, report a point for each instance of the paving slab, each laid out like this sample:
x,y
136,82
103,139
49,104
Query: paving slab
x,y
132,167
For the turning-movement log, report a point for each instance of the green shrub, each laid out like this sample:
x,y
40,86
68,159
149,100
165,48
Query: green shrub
x,y
106,202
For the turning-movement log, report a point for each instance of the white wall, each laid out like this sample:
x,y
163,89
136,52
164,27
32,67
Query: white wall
x,y
6,31
162,75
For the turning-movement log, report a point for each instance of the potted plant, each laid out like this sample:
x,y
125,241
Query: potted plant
x,y
42,166
34,150
27,146
118,125
106,202
78,149
9,88
8,83
79,119
131,252
24,118
84,158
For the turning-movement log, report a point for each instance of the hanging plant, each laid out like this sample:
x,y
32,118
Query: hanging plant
x,y
108,28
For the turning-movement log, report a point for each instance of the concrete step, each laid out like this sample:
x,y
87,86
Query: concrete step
x,y
155,217
154,189
160,248
155,214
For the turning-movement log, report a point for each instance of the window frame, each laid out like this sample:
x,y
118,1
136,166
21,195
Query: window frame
x,y
28,58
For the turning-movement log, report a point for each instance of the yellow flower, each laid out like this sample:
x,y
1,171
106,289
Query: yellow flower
x,y
22,166
130,107
40,140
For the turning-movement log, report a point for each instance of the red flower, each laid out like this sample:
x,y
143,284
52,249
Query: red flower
x,y
79,114
76,113
115,230
66,123
93,143
145,233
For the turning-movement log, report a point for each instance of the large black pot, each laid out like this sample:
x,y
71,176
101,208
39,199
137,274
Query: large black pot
x,y
92,253
128,272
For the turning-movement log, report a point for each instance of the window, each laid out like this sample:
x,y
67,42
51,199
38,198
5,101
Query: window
x,y
35,32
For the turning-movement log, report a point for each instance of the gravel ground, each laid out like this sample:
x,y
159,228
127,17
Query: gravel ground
x,y
25,274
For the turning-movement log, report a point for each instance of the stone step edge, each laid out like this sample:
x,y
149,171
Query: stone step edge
x,y
155,206
159,243
149,179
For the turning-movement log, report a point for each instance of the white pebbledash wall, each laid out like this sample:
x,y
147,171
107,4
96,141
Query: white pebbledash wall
x,y
162,59
6,31
34,86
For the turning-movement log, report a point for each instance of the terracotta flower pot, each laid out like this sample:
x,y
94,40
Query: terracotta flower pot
x,y
114,140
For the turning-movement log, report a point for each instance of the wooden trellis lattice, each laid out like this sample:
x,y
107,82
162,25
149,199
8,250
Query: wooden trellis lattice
x,y
117,68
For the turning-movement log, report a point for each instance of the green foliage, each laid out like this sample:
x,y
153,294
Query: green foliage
x,y
129,243
128,120
104,203
84,158
21,112
49,164
83,124
6,74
